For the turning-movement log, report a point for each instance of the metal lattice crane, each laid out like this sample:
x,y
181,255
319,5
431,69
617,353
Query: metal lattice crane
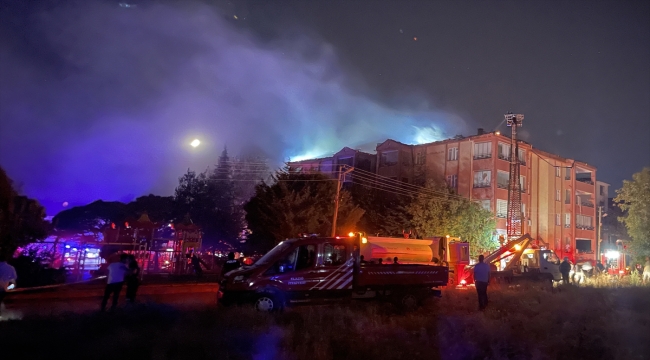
x,y
514,220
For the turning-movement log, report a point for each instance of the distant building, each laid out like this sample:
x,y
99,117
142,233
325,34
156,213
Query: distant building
x,y
558,194
602,195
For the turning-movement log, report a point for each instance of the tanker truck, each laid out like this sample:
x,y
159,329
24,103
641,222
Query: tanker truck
x,y
438,250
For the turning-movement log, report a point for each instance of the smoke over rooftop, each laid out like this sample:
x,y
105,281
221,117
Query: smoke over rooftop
x,y
102,101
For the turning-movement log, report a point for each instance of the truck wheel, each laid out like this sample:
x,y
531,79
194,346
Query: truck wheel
x,y
267,303
408,301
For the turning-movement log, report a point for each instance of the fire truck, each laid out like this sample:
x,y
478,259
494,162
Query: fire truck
x,y
519,259
317,270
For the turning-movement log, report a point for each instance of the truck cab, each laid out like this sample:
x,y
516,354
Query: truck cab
x,y
322,270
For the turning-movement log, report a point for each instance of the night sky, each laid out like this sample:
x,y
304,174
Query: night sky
x,y
100,100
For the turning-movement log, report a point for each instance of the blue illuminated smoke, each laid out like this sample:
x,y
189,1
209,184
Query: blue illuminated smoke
x,y
130,88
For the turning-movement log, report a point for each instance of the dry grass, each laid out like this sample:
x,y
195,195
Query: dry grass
x,y
522,322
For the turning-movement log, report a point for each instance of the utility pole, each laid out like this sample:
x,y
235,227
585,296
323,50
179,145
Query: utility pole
x,y
339,184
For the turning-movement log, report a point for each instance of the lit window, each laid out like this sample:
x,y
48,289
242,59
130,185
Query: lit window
x,y
482,179
483,150
502,208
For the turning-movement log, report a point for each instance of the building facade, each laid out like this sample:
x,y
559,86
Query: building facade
x,y
558,194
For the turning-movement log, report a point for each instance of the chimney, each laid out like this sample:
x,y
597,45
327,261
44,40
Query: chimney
x,y
481,131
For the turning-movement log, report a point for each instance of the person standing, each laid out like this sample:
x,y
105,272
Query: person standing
x,y
230,265
116,273
196,264
132,280
8,279
565,269
646,271
481,281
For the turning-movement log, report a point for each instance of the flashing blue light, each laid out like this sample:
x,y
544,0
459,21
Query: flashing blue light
x,y
67,246
74,249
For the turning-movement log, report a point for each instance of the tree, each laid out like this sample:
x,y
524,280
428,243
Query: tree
x,y
439,212
386,213
22,220
209,199
92,217
634,199
297,203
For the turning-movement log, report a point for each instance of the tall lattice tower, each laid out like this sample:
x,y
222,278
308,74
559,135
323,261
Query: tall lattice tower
x,y
514,224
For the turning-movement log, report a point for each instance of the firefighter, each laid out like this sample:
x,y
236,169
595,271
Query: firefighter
x,y
600,268
231,264
565,268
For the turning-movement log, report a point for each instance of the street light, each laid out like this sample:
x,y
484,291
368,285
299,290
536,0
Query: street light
x,y
195,143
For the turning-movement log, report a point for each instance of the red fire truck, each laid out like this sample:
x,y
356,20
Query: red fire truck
x,y
317,270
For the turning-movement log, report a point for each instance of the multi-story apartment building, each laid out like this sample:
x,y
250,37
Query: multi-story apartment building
x,y
558,194
331,164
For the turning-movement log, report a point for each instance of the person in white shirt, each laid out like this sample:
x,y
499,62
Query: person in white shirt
x,y
482,280
7,279
116,273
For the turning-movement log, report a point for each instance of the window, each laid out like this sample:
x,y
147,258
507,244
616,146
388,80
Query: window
x,y
567,174
452,181
420,158
567,220
522,183
567,196
482,179
558,219
583,245
482,150
300,258
334,254
558,172
504,151
389,158
558,195
522,156
349,160
503,178
485,204
602,190
502,208
452,154
523,209
584,222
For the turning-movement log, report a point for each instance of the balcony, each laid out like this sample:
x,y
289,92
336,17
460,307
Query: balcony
x,y
587,204
502,215
482,156
567,226
585,180
504,157
567,177
502,185
481,186
583,227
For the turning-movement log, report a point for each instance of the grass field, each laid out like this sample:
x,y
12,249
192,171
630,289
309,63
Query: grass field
x,y
522,322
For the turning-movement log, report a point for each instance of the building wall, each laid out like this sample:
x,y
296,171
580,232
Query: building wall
x,y
418,164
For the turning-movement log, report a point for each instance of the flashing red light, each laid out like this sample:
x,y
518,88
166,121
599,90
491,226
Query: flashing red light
x,y
463,282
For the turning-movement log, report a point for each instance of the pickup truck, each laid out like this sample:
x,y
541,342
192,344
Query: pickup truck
x,y
318,270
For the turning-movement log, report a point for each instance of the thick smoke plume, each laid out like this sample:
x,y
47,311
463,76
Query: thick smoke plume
x,y
102,101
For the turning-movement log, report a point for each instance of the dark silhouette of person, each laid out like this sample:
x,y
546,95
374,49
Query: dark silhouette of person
x,y
565,268
132,279
196,264
116,273
380,261
362,260
230,265
482,280
395,260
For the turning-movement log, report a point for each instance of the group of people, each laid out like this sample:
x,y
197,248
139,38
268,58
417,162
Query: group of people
x,y
126,271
